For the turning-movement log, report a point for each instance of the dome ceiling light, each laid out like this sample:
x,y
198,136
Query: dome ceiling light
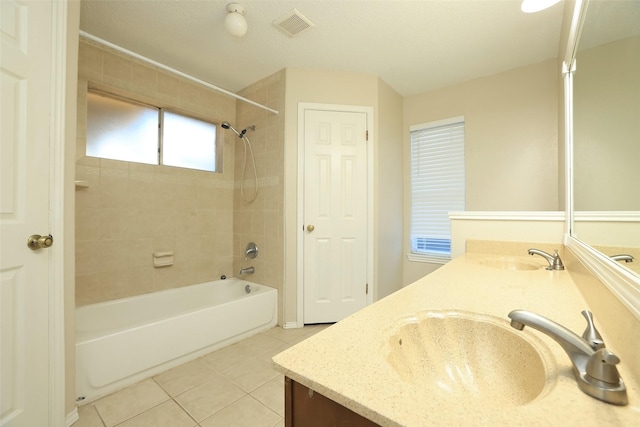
x,y
235,22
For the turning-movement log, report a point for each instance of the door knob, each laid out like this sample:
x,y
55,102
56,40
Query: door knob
x,y
310,228
37,241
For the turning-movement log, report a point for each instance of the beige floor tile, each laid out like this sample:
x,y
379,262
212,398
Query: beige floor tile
x,y
184,377
88,417
288,335
271,395
310,330
246,412
206,399
167,414
226,358
129,402
251,374
294,336
267,356
280,424
261,344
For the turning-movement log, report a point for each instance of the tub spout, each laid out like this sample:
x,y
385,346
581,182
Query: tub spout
x,y
247,270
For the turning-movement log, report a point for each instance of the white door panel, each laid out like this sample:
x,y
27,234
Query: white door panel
x,y
25,75
335,205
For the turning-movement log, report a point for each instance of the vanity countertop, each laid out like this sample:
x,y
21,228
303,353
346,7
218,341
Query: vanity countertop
x,y
347,361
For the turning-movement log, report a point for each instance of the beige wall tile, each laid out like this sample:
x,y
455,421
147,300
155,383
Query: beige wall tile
x,y
168,89
116,69
90,62
144,80
143,208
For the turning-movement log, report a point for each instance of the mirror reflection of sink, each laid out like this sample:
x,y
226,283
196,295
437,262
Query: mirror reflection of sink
x,y
506,263
468,357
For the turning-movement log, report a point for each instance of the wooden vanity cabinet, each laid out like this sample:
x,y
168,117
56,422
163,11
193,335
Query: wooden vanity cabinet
x,y
304,407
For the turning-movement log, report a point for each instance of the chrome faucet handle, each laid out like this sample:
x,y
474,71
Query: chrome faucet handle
x,y
601,366
557,262
591,334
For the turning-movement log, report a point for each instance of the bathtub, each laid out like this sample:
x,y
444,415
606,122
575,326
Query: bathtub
x,y
124,341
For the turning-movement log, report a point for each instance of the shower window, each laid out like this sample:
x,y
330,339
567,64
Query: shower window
x,y
122,129
437,186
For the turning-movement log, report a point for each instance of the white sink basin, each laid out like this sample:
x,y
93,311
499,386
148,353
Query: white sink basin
x,y
468,357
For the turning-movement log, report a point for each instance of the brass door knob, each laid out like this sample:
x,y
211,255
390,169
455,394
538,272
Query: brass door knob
x,y
36,241
310,228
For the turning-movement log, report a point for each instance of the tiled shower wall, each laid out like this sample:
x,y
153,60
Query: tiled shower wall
x,y
131,210
262,220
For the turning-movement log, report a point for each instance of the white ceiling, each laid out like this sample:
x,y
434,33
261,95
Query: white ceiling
x,y
414,46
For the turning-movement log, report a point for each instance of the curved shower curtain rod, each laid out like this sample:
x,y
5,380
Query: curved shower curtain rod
x,y
173,70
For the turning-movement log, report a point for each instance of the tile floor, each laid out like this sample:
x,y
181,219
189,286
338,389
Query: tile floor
x,y
233,386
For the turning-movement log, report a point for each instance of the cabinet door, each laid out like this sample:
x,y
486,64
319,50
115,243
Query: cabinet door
x,y
307,408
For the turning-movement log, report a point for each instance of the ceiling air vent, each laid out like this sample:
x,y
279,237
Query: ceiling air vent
x,y
293,23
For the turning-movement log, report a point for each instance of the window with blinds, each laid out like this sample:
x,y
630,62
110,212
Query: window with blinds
x,y
437,185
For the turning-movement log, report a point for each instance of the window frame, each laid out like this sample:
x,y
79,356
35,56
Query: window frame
x,y
433,256
218,146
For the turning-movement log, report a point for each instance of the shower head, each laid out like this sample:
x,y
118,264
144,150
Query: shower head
x,y
226,125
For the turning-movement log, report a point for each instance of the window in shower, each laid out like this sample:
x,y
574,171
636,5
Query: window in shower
x,y
437,186
123,129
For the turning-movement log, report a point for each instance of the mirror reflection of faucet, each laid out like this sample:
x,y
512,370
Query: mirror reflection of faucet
x,y
622,257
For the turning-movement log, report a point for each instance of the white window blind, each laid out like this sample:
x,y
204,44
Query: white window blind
x,y
437,184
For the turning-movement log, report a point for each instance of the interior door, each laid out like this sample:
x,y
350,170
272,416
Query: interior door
x,y
24,210
335,214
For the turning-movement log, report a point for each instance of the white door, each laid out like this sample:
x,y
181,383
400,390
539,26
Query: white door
x,y
24,210
335,214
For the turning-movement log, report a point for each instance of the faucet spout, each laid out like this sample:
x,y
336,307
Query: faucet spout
x,y
622,257
555,263
575,347
595,371
247,270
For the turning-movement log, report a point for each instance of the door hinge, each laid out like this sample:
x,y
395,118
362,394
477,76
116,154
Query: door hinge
x,y
366,289
367,135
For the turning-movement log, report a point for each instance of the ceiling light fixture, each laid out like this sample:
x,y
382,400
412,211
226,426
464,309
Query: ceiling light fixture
x,y
235,22
531,6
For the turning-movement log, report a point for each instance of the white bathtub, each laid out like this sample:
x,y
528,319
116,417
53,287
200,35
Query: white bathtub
x,y
124,341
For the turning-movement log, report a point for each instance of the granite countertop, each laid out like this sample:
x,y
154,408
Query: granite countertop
x,y
347,362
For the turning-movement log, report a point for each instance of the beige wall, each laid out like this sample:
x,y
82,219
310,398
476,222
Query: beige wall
x,y
388,183
343,88
132,210
511,141
261,220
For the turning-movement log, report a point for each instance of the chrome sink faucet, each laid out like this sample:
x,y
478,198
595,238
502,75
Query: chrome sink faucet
x,y
555,263
594,366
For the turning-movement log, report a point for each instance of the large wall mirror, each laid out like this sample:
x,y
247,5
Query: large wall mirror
x,y
606,139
